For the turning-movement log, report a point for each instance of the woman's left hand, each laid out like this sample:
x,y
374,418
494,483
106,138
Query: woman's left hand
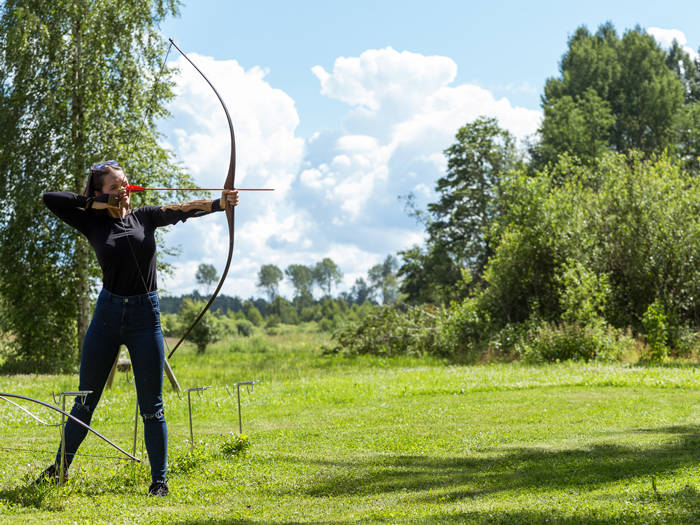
x,y
229,197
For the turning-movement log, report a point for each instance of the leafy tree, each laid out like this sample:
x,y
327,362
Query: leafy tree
x,y
203,333
483,153
688,118
284,310
457,224
76,86
269,278
687,70
302,278
612,91
428,275
611,240
206,275
326,273
382,278
580,126
360,292
252,313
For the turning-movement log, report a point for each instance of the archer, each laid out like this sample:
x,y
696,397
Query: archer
x,y
127,309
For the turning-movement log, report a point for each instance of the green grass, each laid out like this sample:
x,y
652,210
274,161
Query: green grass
x,y
365,439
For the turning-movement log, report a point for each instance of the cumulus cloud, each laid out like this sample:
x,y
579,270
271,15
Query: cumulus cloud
x,y
665,38
404,110
337,192
269,154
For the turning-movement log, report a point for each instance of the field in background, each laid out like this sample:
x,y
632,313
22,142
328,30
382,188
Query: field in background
x,y
337,439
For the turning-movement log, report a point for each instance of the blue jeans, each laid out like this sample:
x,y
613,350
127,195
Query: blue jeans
x,y
135,322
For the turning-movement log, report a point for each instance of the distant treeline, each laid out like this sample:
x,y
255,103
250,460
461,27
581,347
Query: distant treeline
x,y
223,304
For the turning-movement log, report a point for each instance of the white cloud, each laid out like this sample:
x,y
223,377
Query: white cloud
x,y
404,111
337,194
268,155
665,38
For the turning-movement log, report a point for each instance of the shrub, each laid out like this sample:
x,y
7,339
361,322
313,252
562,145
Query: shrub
x,y
463,328
234,444
687,342
655,323
244,327
391,330
546,342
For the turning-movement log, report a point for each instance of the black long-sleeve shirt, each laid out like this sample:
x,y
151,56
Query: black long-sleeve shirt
x,y
123,243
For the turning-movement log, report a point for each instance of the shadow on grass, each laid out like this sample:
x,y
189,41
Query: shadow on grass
x,y
496,517
29,495
436,480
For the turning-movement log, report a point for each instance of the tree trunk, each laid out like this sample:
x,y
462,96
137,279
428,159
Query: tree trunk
x,y
82,259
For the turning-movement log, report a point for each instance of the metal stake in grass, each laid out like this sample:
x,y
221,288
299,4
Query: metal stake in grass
x,y
237,386
136,426
199,389
62,396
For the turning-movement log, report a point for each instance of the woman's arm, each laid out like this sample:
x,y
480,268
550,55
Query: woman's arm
x,y
71,208
172,213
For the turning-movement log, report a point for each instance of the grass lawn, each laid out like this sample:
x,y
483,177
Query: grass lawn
x,y
376,440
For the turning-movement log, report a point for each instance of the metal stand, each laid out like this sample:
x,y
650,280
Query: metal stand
x,y
62,396
136,426
237,386
199,389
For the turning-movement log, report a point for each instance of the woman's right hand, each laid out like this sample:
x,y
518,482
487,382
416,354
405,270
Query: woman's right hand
x,y
106,201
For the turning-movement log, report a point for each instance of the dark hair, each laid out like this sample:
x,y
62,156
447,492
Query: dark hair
x,y
94,182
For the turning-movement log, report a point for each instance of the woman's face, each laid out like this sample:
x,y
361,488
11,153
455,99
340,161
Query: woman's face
x,y
114,183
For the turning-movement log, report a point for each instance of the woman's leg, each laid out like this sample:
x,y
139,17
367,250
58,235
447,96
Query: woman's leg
x,y
144,339
100,349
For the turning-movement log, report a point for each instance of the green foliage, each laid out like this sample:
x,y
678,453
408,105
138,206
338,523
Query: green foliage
x,y
577,125
459,222
252,313
204,331
391,330
206,275
169,325
462,330
192,458
547,342
302,278
428,275
232,444
269,278
244,327
81,74
382,279
326,274
655,323
284,310
604,241
614,93
583,294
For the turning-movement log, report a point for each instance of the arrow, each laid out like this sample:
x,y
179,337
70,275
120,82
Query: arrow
x,y
133,188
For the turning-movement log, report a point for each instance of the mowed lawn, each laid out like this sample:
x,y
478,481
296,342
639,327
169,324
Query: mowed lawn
x,y
376,440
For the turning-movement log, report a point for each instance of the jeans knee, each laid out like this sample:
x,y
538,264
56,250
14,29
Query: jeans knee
x,y
157,417
81,409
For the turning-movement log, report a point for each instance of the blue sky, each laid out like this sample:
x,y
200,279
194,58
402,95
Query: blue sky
x,y
345,107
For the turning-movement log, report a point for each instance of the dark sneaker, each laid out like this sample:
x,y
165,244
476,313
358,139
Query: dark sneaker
x,y
158,488
50,475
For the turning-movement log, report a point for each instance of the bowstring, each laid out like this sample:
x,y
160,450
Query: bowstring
x,y
149,112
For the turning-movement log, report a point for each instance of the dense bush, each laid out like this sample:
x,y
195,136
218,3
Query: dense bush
x,y
392,330
546,342
607,241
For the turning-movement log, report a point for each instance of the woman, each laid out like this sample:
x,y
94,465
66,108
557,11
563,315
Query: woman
x,y
127,307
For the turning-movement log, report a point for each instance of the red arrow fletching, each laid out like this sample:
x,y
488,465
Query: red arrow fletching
x,y
133,188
